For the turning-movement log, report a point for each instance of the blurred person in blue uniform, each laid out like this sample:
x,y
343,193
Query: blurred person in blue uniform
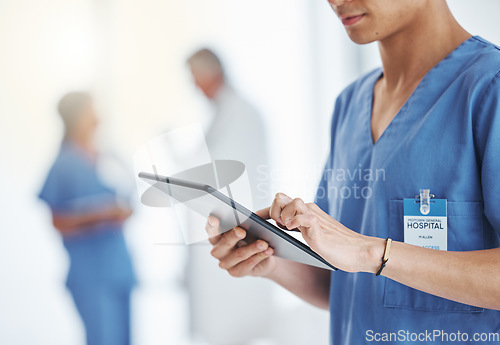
x,y
429,118
90,218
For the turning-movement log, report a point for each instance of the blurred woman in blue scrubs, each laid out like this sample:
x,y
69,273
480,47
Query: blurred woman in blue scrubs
x,y
90,218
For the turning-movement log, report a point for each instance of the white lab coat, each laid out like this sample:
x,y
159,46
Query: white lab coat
x,y
238,132
227,310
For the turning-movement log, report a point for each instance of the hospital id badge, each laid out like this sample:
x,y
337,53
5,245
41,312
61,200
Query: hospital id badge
x,y
427,228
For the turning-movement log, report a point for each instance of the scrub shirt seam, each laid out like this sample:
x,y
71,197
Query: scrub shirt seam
x,y
475,118
370,97
488,90
481,222
471,310
485,43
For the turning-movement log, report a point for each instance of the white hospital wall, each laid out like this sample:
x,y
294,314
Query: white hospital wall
x,y
37,63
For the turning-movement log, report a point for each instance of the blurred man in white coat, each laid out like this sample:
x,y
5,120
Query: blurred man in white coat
x,y
246,315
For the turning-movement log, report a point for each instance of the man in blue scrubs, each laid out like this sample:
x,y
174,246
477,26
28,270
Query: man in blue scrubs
x,y
88,215
428,119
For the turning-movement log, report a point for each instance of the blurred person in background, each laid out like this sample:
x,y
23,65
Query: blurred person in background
x,y
234,120
247,319
90,218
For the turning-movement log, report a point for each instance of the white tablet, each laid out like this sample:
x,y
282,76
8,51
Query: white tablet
x,y
231,214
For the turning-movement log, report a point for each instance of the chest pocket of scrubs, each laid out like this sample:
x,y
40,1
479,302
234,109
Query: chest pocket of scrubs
x,y
465,233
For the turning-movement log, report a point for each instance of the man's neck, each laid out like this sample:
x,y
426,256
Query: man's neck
x,y
408,55
84,142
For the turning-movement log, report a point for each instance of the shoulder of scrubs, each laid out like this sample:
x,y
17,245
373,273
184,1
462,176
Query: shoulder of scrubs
x,y
484,60
480,64
342,103
62,180
54,186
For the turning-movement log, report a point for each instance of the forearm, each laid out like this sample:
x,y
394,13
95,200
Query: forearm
x,y
466,277
309,283
67,224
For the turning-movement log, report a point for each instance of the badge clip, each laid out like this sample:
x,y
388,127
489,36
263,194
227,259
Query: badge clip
x,y
425,201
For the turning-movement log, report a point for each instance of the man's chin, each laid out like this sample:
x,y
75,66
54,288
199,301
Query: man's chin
x,y
362,38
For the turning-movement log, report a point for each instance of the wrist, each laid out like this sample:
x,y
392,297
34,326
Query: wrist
x,y
371,254
274,272
108,214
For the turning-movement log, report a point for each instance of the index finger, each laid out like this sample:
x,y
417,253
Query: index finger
x,y
264,213
280,201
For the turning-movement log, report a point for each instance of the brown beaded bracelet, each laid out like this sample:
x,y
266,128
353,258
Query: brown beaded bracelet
x,y
385,258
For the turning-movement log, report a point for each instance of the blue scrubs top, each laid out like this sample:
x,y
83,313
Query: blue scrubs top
x,y
98,255
446,138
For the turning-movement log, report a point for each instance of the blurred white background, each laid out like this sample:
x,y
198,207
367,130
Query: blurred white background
x,y
290,58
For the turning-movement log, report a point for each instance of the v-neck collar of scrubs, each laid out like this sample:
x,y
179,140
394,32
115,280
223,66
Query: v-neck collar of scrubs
x,y
369,97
